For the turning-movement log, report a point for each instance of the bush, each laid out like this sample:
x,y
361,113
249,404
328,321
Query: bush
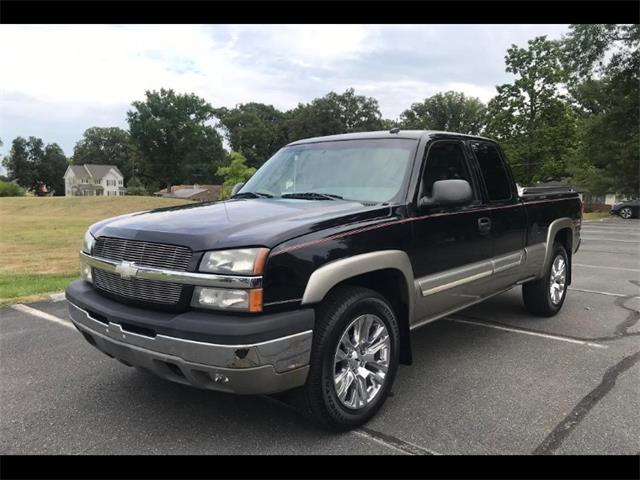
x,y
135,187
236,172
10,189
596,207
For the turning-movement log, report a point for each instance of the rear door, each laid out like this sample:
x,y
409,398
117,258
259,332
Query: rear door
x,y
451,245
507,213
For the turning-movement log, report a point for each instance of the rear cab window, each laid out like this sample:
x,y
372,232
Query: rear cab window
x,y
493,170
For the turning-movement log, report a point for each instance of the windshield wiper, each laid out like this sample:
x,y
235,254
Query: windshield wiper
x,y
313,196
252,195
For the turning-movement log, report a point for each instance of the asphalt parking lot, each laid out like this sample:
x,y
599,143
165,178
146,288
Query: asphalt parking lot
x,y
489,380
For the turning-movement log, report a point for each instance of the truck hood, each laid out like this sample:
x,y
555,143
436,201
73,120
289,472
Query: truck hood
x,y
236,223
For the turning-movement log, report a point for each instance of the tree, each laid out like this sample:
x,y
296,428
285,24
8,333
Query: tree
x,y
31,163
51,168
603,65
18,164
236,172
255,130
175,138
388,124
108,146
530,116
448,111
333,114
135,187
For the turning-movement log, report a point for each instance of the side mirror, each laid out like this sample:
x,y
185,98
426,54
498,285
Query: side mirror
x,y
448,192
236,188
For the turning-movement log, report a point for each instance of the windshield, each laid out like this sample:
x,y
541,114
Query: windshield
x,y
371,170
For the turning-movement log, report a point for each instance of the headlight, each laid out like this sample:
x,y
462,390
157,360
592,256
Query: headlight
x,y
243,261
88,242
228,299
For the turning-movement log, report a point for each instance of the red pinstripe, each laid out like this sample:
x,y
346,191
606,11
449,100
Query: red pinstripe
x,y
406,220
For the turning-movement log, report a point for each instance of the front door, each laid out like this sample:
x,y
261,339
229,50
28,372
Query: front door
x,y
451,252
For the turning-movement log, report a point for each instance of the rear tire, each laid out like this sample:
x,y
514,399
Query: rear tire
x,y
545,297
347,383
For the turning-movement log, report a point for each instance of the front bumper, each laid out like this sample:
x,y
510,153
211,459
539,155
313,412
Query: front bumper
x,y
266,366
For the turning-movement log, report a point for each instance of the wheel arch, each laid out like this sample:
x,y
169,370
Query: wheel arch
x,y
387,272
560,230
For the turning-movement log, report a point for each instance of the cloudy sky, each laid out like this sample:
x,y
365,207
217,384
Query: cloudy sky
x,y
57,81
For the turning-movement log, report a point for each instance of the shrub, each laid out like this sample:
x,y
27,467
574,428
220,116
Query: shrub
x,y
10,189
236,172
135,187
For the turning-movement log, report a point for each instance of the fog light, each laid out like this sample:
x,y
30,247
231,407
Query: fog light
x,y
85,273
220,378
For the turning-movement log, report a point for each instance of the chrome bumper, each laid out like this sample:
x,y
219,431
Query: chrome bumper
x,y
265,367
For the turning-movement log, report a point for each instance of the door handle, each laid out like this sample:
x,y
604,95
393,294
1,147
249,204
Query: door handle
x,y
484,225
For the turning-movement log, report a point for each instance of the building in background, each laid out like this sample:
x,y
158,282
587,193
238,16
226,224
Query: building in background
x,y
197,193
93,180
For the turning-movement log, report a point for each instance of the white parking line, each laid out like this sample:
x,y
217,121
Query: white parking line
x,y
388,441
635,231
589,223
610,294
527,332
45,316
607,239
610,229
403,446
608,268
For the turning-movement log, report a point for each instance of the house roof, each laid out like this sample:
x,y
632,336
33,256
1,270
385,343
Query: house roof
x,y
189,191
174,188
186,192
94,171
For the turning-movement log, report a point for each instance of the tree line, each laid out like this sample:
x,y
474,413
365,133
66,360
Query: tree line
x,y
572,113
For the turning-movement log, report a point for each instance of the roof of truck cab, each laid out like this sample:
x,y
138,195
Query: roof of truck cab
x,y
408,134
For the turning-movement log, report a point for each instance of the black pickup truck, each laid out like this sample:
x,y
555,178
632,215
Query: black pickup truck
x,y
315,272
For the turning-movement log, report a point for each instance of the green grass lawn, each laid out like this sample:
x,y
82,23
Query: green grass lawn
x,y
40,238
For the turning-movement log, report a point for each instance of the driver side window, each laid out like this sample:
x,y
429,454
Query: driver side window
x,y
445,161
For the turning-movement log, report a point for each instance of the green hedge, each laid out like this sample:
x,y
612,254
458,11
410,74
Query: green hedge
x,y
10,189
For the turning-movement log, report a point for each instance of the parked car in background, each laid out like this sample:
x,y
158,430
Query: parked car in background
x,y
626,210
317,269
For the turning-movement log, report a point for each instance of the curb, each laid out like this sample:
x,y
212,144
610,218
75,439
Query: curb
x,y
57,297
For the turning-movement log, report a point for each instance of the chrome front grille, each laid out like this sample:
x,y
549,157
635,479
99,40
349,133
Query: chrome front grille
x,y
146,254
137,289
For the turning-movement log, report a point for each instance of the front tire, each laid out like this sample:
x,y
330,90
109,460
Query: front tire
x,y
626,213
545,297
354,358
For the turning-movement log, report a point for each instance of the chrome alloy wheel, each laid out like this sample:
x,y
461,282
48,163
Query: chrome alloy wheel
x,y
626,213
361,361
558,279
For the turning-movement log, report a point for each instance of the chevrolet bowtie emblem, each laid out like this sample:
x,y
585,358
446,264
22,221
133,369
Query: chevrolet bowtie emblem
x,y
126,269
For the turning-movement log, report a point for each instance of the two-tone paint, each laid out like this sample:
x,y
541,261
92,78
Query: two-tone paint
x,y
430,261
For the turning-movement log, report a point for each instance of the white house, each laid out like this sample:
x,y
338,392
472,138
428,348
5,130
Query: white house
x,y
104,180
